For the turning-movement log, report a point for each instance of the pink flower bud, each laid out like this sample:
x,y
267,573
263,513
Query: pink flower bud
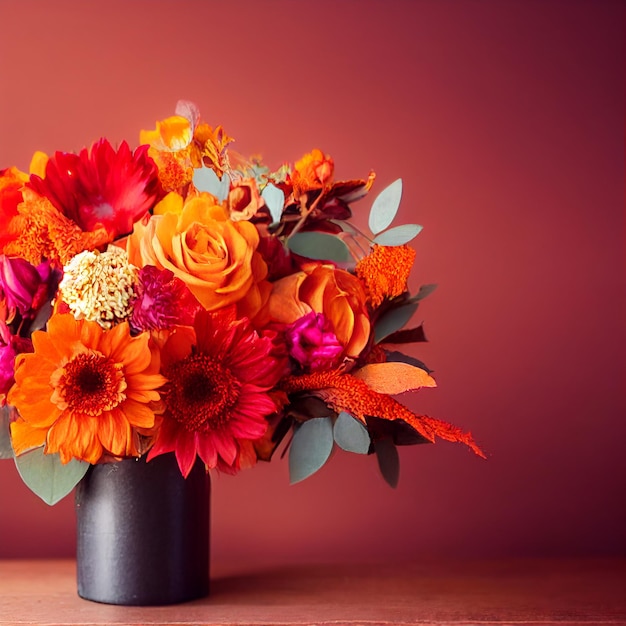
x,y
312,343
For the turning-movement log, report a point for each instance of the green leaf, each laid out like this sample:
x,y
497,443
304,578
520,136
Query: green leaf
x,y
399,357
388,461
205,179
385,207
424,292
320,247
310,448
399,235
350,434
275,200
46,476
304,408
408,335
42,317
6,450
394,320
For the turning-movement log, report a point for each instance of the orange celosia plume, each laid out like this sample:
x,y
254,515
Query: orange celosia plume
x,y
385,272
343,392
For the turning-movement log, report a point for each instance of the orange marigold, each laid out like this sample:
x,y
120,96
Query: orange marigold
x,y
385,272
43,232
175,168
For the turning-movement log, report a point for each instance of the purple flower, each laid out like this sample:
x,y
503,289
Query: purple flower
x,y
162,301
312,343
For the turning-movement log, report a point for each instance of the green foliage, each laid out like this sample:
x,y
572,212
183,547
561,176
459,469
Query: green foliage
x,y
394,320
47,477
320,247
6,450
399,235
424,292
275,200
310,448
385,207
205,179
388,461
350,434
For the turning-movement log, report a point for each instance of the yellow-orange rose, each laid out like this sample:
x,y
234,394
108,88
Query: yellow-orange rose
x,y
215,257
324,289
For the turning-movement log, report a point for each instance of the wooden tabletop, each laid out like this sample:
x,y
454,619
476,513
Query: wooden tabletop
x,y
495,592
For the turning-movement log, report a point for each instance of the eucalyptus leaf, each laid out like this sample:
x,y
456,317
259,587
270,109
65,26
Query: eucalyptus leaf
x,y
47,477
424,292
388,461
399,235
6,450
275,200
310,448
205,179
394,320
385,207
350,434
320,247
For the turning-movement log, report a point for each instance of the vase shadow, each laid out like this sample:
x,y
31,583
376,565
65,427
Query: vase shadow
x,y
291,583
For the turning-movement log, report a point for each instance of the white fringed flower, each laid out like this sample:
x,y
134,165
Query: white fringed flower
x,y
99,286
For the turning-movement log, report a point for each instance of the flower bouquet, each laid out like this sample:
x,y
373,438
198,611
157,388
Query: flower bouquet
x,y
180,300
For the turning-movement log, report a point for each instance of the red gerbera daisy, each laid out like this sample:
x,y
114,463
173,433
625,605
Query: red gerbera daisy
x,y
101,187
217,397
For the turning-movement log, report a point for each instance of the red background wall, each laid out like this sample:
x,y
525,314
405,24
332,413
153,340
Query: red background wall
x,y
505,120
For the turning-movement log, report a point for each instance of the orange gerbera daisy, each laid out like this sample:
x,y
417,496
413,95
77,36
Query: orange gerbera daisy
x,y
84,391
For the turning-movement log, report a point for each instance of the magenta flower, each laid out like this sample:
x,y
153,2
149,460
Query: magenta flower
x,y
312,343
10,347
24,289
162,301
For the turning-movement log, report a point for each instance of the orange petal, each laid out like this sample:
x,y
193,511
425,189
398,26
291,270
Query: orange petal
x,y
25,437
172,203
38,164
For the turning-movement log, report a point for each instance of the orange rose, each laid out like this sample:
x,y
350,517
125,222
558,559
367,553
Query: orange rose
x,y
244,199
215,257
324,289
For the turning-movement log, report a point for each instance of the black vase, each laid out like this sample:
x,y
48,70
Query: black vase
x,y
143,532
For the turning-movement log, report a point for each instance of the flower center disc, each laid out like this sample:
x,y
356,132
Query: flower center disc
x,y
201,393
90,383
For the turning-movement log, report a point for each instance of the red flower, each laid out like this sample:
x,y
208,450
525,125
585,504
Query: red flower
x,y
101,187
217,397
11,183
